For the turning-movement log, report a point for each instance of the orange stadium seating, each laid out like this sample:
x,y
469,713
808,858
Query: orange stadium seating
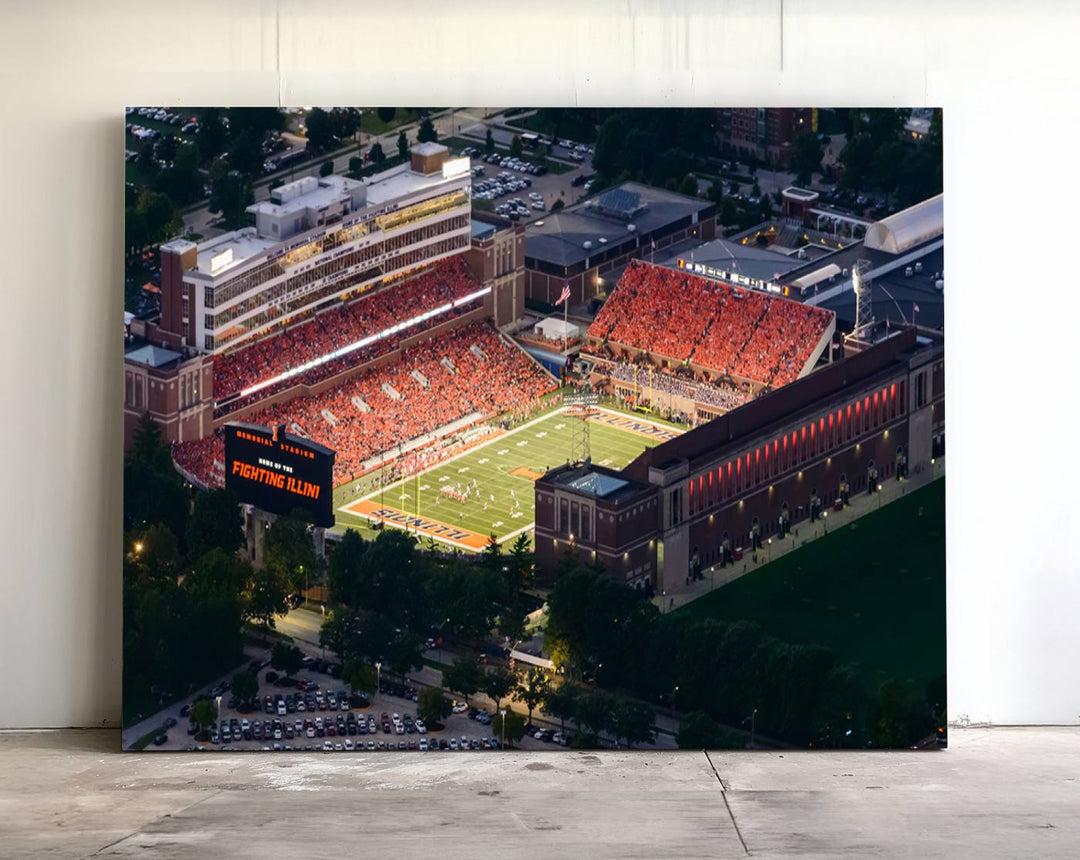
x,y
504,379
712,324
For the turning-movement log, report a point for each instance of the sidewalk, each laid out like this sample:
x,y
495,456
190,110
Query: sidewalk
x,y
802,533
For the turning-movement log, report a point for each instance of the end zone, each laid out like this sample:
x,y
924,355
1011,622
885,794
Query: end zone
x,y
411,522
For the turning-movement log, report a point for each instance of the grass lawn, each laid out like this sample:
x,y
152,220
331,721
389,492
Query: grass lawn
x,y
874,592
504,470
371,124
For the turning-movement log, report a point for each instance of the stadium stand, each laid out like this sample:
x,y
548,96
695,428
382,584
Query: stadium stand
x,y
702,392
503,379
317,336
711,324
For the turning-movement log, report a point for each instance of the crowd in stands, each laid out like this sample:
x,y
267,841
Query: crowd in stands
x,y
489,377
321,334
722,397
736,331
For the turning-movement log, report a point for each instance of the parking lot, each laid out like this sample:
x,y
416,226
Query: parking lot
x,y
520,190
319,715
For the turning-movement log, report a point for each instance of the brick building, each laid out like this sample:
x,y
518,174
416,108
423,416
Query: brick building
x,y
757,471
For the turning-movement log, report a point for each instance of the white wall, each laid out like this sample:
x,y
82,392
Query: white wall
x,y
1007,84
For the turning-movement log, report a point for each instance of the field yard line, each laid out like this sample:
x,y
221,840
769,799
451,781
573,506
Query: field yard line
x,y
481,447
507,537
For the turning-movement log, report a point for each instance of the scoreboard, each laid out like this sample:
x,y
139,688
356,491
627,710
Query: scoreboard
x,y
278,472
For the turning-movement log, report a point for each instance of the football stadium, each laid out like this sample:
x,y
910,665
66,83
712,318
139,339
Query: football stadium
x,y
377,320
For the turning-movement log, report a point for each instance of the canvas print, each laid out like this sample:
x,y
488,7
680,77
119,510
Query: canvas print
x,y
468,429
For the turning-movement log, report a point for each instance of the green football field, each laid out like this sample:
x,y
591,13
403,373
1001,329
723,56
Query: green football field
x,y
504,469
873,592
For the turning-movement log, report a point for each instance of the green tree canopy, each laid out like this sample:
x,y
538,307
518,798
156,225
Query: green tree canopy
x,y
532,690
508,725
359,675
215,521
633,722
327,167
426,132
432,706
498,684
402,145
386,114
245,685
464,676
289,548
204,714
286,658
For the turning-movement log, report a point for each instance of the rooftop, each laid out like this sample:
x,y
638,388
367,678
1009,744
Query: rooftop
x,y
480,230
559,239
305,193
142,352
734,257
596,481
401,181
228,250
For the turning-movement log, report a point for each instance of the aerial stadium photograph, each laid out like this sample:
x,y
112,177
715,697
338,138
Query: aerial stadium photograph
x,y
466,429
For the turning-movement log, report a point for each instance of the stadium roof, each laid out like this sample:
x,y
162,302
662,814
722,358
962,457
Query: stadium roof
x,y
751,261
228,250
559,239
908,228
401,181
306,193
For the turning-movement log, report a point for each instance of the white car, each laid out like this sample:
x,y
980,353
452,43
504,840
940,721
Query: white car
x,y
349,745
420,727
328,746
536,195
459,708
423,743
453,743
538,205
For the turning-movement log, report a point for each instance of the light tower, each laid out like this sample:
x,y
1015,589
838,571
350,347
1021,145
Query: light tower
x,y
583,401
864,304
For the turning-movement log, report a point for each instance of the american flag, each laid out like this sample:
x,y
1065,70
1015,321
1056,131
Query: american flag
x,y
916,309
564,295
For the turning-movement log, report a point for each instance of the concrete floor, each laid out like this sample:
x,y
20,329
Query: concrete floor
x,y
1004,792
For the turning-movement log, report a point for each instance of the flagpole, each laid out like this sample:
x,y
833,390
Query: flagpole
x,y
565,306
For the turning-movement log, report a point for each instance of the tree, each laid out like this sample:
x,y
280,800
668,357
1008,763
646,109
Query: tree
x,y
432,706
230,193
406,654
729,212
508,725
287,658
633,722
290,548
596,712
489,142
522,562
377,154
402,145
532,690
215,521
204,714
245,685
327,167
161,220
386,114
465,676
320,130
897,717
806,154
561,701
698,731
515,146
360,676
839,720
716,191
338,633
158,552
267,597
557,205
498,684
211,136
688,187
426,132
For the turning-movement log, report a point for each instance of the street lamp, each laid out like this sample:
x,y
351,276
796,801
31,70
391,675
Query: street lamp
x,y
879,496
825,520
770,549
378,677
138,547
502,714
674,690
217,702
752,719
